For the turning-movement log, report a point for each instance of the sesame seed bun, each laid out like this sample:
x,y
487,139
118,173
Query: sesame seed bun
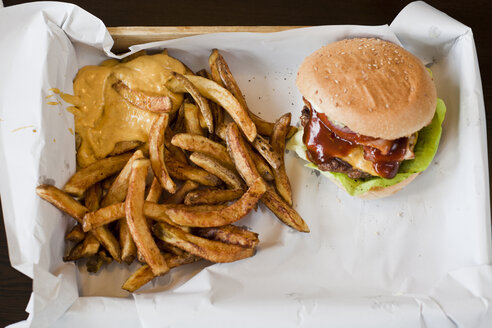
x,y
374,87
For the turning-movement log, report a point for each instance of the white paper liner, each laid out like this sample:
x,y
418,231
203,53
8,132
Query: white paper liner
x,y
420,258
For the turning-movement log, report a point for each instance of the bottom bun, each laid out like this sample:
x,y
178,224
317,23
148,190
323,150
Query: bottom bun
x,y
380,192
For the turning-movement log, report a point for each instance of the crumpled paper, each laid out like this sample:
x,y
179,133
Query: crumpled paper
x,y
418,259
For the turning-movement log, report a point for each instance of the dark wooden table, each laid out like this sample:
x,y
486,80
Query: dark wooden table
x,y
15,288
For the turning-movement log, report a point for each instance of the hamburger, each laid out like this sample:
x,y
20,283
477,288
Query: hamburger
x,y
371,118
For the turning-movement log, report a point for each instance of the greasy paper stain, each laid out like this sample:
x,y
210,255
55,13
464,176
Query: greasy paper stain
x,y
23,127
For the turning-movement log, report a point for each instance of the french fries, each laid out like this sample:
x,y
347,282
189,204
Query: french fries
x,y
156,152
199,99
283,211
213,251
239,209
184,171
175,197
261,165
155,192
191,119
180,194
117,191
279,133
134,209
67,204
196,143
62,201
76,235
221,96
265,149
224,74
157,104
212,196
229,234
144,274
212,62
240,155
211,165
100,170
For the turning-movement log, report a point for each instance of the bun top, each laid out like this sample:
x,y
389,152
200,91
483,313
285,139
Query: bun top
x,y
374,87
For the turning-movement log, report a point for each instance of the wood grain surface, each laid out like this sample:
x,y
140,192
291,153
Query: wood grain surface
x,y
265,15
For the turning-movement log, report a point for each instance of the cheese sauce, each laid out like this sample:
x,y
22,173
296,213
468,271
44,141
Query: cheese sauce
x,y
102,117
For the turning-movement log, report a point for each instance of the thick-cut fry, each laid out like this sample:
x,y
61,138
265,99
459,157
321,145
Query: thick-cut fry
x,y
199,99
239,153
95,262
196,143
214,251
224,98
77,234
214,70
266,128
124,146
213,166
75,253
117,191
180,194
156,152
261,165
134,209
144,274
128,247
277,141
229,234
107,239
73,208
217,111
86,248
263,127
103,216
155,192
92,200
93,195
191,120
283,211
266,150
158,104
97,171
182,171
212,196
108,182
62,201
216,218
152,210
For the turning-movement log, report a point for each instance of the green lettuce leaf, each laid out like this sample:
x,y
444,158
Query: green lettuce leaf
x,y
425,150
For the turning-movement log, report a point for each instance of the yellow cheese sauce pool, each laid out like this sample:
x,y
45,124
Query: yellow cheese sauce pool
x,y
102,117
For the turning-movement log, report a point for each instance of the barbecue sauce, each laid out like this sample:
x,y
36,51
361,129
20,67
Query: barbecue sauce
x,y
324,141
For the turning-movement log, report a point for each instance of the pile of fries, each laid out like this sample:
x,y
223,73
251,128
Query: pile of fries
x,y
174,200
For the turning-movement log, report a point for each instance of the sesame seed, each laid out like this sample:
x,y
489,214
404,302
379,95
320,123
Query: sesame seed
x,y
387,106
345,90
336,81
